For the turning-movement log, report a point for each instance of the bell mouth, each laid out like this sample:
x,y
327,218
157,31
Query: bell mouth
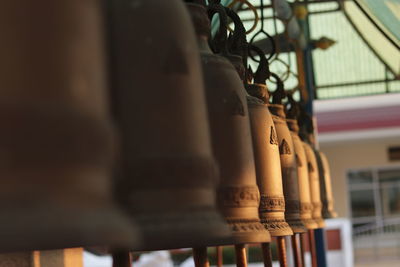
x,y
41,227
200,227
297,226
249,231
277,227
310,224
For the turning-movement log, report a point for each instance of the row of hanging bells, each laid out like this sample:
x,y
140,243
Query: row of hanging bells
x,y
126,145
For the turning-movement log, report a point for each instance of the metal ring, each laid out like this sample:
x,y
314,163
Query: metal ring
x,y
252,8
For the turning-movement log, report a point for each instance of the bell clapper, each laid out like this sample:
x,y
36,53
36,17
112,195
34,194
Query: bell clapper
x,y
122,259
241,257
200,257
220,255
297,250
282,251
267,255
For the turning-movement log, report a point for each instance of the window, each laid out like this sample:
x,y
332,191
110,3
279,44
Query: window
x,y
374,196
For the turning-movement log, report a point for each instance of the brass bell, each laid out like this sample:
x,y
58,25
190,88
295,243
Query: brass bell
x,y
266,153
306,206
288,160
328,184
167,176
306,133
324,176
313,176
238,194
57,141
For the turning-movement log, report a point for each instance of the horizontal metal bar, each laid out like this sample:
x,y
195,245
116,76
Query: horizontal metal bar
x,y
355,83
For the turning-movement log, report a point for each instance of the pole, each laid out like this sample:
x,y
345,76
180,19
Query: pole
x,y
122,259
311,242
302,242
241,257
320,245
296,250
220,255
200,257
282,251
267,255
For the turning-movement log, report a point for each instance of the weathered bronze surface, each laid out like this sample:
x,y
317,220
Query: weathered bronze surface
x,y
57,143
306,206
289,169
238,196
167,174
325,186
313,176
266,155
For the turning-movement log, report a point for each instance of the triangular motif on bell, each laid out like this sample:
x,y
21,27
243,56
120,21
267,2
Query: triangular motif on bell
x,y
298,160
273,139
234,104
310,167
284,148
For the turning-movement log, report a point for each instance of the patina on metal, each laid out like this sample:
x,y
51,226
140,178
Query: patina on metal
x,y
57,140
288,159
237,195
266,152
167,174
306,206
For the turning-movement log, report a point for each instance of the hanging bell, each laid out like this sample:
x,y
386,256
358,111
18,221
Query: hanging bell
x,y
307,136
328,183
327,212
167,176
57,141
306,206
238,194
314,185
288,160
266,153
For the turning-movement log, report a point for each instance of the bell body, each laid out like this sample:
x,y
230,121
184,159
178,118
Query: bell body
x,y
237,195
57,141
324,176
289,169
268,167
167,174
306,206
313,177
328,183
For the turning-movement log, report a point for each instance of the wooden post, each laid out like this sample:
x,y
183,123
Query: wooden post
x,y
122,259
200,257
302,242
311,242
296,250
241,257
20,259
282,251
220,256
266,252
